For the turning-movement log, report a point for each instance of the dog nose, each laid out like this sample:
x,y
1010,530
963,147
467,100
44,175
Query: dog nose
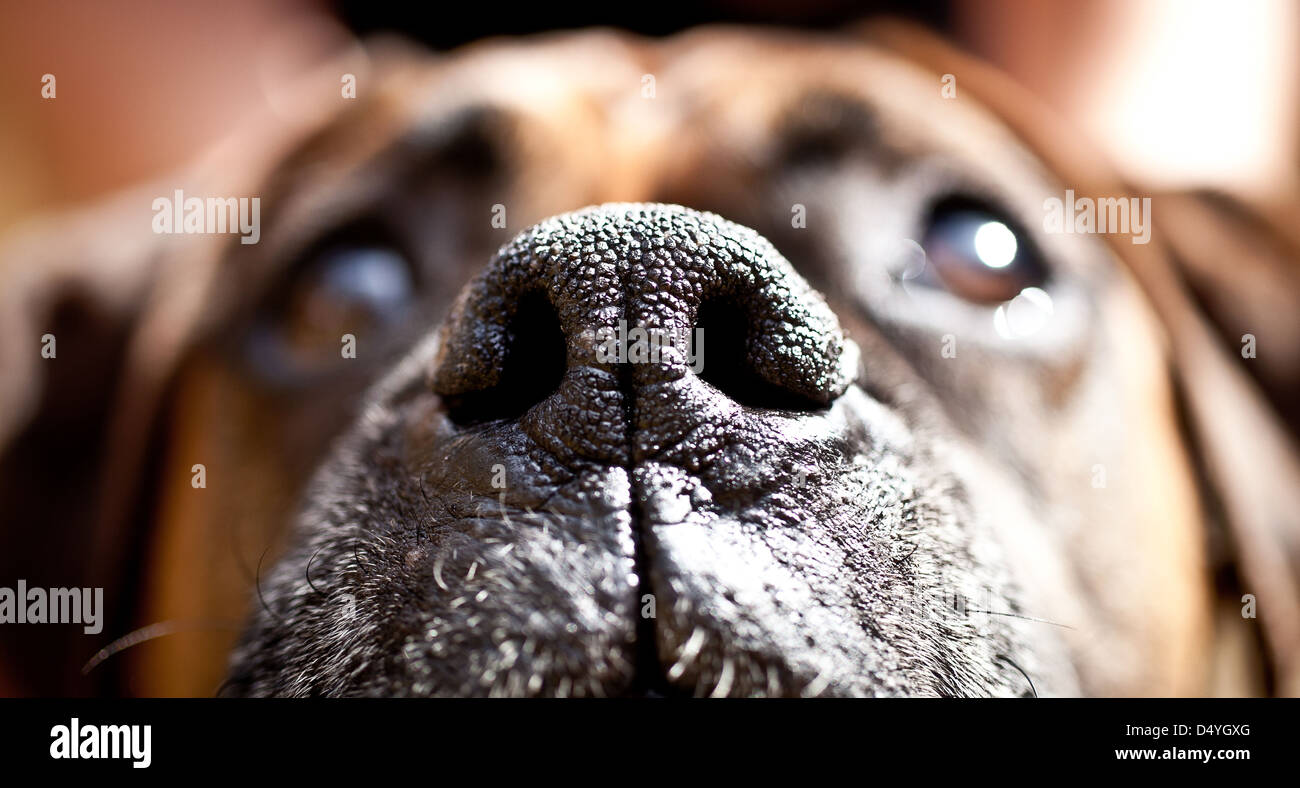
x,y
615,331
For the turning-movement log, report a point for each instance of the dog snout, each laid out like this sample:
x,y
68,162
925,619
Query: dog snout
x,y
684,358
615,332
612,470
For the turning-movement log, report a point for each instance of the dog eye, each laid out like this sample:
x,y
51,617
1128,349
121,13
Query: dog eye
x,y
349,292
976,254
348,289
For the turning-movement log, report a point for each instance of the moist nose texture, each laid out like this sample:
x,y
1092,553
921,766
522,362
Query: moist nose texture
x,y
612,332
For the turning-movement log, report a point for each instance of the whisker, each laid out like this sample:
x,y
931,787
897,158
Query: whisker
x,y
222,687
1017,615
258,583
307,572
1008,660
153,632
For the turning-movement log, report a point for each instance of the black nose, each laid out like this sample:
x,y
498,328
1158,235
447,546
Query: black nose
x,y
615,331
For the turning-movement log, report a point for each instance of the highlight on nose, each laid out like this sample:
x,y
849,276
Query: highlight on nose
x,y
584,307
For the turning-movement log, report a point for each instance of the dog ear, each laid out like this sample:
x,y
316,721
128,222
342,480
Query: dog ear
x,y
1237,423
98,310
75,290
1241,263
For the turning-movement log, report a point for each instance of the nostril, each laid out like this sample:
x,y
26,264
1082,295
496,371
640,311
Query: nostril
x,y
532,368
728,335
538,319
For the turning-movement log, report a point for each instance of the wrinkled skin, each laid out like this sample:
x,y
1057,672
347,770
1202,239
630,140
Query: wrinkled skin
x,y
831,506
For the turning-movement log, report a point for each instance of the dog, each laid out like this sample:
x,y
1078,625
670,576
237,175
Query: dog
x,y
738,363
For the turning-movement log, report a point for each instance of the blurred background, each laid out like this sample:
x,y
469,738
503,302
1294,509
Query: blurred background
x,y
1180,94
1177,92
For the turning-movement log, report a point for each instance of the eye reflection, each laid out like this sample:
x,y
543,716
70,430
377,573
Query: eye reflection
x,y
907,260
977,255
995,244
1024,315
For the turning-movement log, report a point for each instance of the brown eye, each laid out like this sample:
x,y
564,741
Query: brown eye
x,y
355,290
348,290
978,255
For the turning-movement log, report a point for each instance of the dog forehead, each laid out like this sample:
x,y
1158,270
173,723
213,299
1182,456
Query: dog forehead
x,y
751,76
535,77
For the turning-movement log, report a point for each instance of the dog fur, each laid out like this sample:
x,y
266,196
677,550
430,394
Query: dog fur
x,y
408,572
